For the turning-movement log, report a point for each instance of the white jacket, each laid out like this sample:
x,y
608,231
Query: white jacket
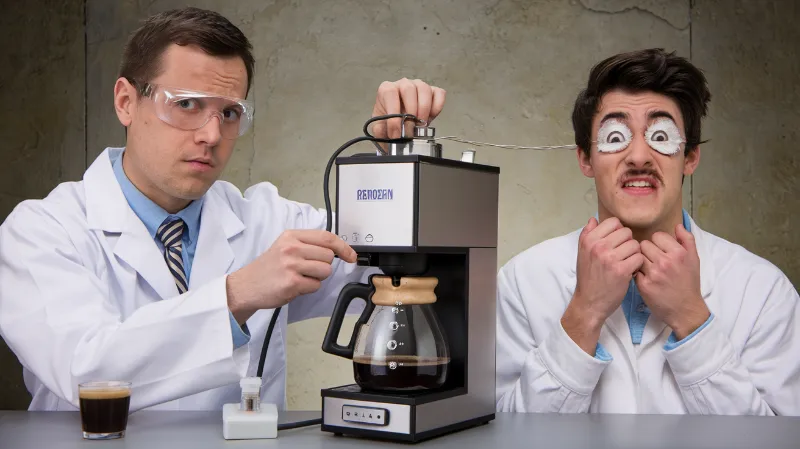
x,y
85,294
746,361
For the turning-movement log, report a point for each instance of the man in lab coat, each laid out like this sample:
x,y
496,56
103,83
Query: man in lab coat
x,y
641,311
150,269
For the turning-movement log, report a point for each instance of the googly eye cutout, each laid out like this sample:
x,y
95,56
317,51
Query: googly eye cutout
x,y
613,136
664,136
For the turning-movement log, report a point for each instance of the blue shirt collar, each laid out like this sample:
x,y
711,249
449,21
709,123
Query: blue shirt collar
x,y
687,223
151,214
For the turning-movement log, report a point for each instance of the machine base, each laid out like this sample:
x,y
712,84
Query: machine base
x,y
395,415
407,437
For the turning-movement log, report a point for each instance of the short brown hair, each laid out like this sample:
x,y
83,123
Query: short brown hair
x,y
651,70
208,30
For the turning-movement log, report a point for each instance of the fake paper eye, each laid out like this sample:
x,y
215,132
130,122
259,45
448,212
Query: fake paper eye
x,y
664,136
613,136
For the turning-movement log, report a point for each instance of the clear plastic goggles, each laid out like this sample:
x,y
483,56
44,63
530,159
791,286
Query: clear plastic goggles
x,y
190,110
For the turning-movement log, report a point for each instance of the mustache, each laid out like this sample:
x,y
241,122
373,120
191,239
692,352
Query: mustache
x,y
638,173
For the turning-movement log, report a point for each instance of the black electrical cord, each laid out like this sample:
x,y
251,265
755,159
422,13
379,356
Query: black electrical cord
x,y
375,142
327,177
366,137
298,424
378,118
326,191
267,338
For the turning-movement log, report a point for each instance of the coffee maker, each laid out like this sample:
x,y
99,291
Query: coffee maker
x,y
413,214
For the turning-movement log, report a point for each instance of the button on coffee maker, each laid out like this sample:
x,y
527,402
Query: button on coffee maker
x,y
423,350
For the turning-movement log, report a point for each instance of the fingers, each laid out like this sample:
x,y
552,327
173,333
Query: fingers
x,y
388,102
666,242
590,226
685,238
328,240
633,263
313,269
408,101
603,229
619,237
307,284
437,104
318,253
424,100
651,251
647,267
626,250
406,97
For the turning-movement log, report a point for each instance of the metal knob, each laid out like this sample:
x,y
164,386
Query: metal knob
x,y
423,143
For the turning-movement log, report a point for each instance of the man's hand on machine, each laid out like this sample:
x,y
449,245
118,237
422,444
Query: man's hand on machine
x,y
405,96
300,260
296,264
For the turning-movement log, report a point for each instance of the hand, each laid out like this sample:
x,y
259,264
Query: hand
x,y
669,281
296,264
608,256
405,97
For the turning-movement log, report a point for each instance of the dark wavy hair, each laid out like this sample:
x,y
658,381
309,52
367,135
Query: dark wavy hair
x,y
208,30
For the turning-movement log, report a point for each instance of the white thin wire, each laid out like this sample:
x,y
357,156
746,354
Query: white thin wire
x,y
507,147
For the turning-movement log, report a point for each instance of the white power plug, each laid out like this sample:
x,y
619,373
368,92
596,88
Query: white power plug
x,y
250,419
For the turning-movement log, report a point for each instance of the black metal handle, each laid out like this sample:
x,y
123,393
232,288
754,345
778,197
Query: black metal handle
x,y
348,294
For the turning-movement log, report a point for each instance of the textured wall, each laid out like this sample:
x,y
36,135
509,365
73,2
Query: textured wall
x,y
42,90
512,70
42,130
747,188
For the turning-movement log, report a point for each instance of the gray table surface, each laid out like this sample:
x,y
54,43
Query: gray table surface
x,y
197,430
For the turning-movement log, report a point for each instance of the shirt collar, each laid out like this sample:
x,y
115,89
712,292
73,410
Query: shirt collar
x,y
687,223
151,214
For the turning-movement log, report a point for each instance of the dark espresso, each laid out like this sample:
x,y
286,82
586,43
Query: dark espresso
x,y
104,411
400,373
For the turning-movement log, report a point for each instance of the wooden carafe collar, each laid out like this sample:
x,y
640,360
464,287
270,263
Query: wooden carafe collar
x,y
411,291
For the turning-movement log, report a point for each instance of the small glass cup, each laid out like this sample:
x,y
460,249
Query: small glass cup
x,y
104,409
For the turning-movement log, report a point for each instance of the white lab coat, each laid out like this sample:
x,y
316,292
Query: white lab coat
x,y
746,361
85,294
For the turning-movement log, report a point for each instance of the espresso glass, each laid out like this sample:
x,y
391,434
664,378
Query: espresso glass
x,y
104,409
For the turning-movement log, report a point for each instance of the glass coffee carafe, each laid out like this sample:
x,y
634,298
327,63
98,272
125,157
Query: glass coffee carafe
x,y
397,343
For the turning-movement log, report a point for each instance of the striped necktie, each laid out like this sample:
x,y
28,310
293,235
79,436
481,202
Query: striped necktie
x,y
171,235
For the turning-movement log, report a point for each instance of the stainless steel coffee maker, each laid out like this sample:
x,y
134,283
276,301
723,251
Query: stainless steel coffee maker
x,y
424,348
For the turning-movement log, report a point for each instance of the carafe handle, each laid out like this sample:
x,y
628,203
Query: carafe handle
x,y
346,296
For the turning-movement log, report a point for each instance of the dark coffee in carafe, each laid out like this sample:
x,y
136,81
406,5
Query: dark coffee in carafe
x,y
400,373
398,343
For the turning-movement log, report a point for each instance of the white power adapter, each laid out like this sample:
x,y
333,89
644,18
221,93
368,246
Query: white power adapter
x,y
250,419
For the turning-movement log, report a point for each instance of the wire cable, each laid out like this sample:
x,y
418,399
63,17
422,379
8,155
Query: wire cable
x,y
267,338
298,424
507,147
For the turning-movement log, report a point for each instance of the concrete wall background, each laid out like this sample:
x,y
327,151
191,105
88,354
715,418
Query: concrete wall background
x,y
42,130
512,70
747,188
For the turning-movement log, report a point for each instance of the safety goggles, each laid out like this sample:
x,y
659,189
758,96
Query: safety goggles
x,y
190,110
